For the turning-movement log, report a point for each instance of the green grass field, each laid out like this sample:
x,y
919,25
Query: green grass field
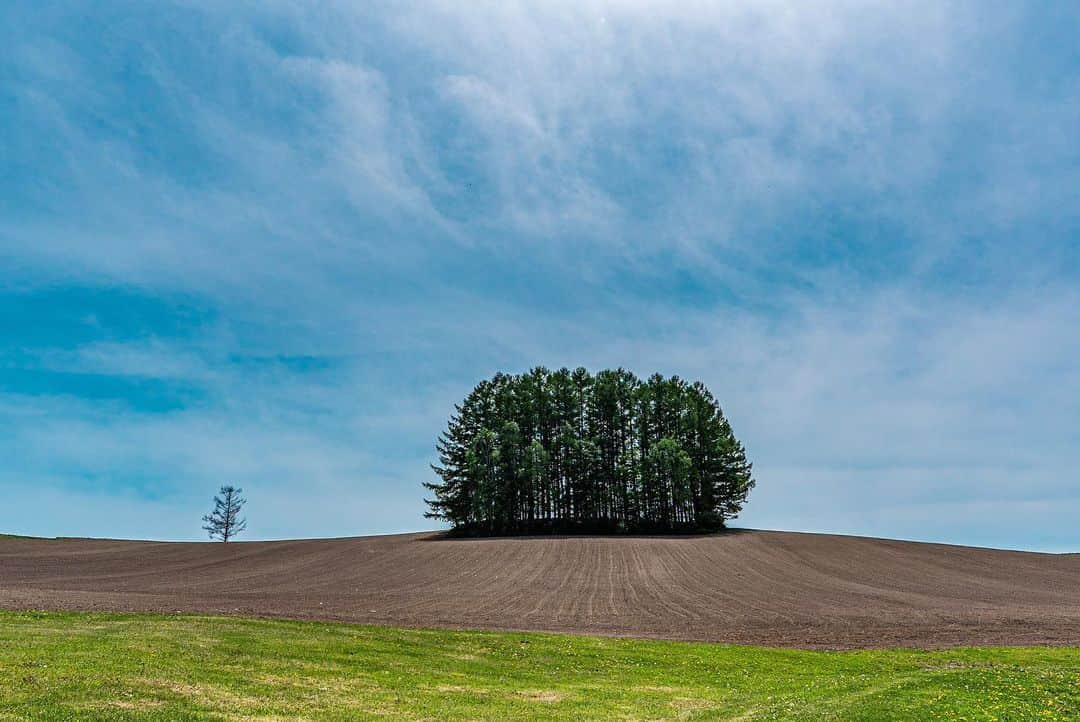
x,y
57,666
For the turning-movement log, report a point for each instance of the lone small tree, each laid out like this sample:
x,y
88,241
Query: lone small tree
x,y
224,522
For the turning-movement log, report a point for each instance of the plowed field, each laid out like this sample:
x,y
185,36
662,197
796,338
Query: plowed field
x,y
758,587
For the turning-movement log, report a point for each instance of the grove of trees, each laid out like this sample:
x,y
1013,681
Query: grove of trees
x,y
565,451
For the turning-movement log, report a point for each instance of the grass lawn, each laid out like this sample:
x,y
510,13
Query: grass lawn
x,y
56,666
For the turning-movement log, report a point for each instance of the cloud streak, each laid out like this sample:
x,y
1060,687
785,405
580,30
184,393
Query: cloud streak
x,y
856,225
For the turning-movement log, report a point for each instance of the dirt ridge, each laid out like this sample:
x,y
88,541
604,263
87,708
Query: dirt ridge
x,y
748,586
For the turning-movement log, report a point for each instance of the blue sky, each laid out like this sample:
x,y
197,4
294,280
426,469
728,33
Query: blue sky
x,y
272,243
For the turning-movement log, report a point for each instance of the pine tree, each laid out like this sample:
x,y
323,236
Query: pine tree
x,y
483,474
224,521
536,476
451,501
510,458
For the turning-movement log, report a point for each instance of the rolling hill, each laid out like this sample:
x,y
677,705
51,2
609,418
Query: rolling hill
x,y
755,587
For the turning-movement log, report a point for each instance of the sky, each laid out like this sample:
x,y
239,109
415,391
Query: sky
x,y
272,243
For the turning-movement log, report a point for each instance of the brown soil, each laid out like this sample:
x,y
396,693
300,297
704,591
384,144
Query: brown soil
x,y
757,587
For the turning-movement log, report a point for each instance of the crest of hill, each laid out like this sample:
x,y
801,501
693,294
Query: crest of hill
x,y
745,586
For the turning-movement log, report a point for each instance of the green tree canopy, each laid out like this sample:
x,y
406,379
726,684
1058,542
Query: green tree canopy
x,y
569,451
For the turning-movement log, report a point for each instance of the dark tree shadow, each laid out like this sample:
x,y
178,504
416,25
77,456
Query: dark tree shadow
x,y
450,535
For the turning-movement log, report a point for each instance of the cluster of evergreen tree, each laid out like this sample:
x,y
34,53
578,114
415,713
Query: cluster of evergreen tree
x,y
569,451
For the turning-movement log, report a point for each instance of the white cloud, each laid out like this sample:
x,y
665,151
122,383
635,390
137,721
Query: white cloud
x,y
448,189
